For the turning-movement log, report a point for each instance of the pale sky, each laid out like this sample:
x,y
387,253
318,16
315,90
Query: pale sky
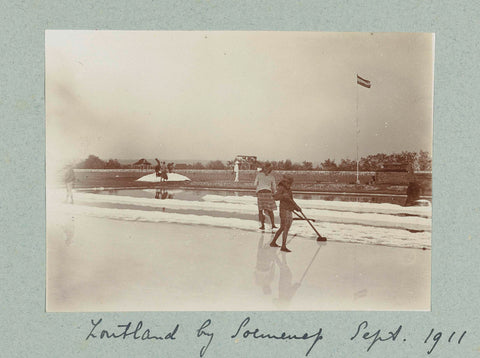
x,y
203,95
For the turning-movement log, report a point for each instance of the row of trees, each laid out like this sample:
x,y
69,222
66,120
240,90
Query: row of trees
x,y
94,162
420,161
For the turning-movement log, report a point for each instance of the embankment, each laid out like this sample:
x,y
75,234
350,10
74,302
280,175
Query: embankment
x,y
315,181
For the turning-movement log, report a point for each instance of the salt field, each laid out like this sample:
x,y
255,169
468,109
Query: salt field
x,y
368,223
194,251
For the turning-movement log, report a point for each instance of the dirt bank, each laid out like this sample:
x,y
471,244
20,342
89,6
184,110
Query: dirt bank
x,y
314,181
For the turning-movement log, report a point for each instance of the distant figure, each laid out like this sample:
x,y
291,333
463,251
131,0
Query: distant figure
x,y
163,173
157,169
170,167
414,190
236,170
265,187
69,181
287,205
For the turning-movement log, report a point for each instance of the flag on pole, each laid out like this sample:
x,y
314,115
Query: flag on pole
x,y
363,82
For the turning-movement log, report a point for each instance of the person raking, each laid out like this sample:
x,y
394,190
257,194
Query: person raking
x,y
287,205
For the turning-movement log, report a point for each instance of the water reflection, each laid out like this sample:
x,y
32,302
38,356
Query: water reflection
x,y
306,196
163,194
360,294
265,267
67,224
268,259
353,198
197,194
286,288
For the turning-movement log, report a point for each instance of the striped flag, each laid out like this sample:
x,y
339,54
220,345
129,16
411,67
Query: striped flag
x,y
363,82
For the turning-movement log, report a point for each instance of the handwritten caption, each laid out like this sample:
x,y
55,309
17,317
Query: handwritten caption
x,y
363,334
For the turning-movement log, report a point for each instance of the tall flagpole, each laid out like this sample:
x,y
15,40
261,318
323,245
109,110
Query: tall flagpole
x,y
365,83
356,116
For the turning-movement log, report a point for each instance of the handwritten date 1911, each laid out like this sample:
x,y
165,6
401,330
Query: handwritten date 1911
x,y
437,336
376,336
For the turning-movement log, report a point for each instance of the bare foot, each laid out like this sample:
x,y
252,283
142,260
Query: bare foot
x,y
284,249
274,244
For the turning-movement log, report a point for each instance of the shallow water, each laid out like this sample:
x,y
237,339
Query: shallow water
x,y
368,223
197,194
98,264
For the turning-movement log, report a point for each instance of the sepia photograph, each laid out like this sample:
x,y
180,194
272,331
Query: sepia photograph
x,y
238,171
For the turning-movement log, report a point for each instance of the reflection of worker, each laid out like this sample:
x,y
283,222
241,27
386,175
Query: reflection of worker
x,y
265,268
69,229
286,289
236,170
161,193
69,180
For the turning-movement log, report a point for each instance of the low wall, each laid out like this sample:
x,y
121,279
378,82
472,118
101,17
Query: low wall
x,y
97,176
403,178
304,180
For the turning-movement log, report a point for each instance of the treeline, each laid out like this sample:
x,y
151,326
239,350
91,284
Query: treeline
x,y
420,161
94,162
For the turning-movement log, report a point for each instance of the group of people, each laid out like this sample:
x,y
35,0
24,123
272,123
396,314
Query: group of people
x,y
267,193
162,170
161,193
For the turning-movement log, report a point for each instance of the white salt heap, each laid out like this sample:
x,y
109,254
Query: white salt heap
x,y
172,177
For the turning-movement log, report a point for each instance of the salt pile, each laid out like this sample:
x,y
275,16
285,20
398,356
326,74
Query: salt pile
x,y
172,177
